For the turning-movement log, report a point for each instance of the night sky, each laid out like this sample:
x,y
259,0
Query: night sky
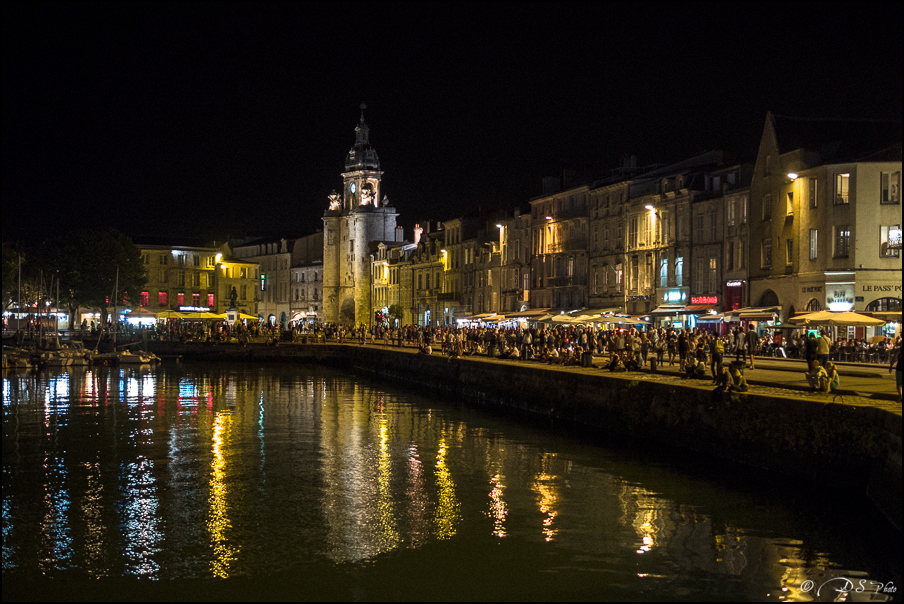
x,y
215,120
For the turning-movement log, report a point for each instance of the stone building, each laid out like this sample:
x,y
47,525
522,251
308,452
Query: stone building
x,y
825,220
355,220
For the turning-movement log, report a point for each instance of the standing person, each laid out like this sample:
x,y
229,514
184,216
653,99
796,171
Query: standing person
x,y
810,348
740,343
896,362
823,347
752,341
682,347
715,365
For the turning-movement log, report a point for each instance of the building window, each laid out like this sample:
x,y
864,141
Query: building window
x,y
790,206
842,186
648,272
744,210
180,298
210,300
679,271
789,250
698,227
664,272
619,277
732,210
813,305
890,187
767,206
196,299
635,274
632,233
766,253
713,275
842,241
729,258
890,241
713,226
698,278
814,241
811,193
145,299
161,298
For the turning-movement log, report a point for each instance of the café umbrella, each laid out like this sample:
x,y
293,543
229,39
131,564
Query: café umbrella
x,y
837,319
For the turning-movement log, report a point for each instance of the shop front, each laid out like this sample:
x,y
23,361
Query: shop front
x,y
735,295
671,304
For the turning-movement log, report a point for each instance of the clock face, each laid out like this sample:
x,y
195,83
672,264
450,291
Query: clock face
x,y
352,188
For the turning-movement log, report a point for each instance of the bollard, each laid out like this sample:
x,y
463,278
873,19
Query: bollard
x,y
653,363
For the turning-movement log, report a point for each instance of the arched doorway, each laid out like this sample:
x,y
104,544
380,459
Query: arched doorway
x,y
769,298
813,305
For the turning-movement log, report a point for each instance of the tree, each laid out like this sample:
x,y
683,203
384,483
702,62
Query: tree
x,y
85,265
396,311
10,275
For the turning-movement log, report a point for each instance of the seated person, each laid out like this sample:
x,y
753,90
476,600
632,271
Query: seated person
x,y
817,377
426,349
690,368
615,363
723,379
833,377
516,353
737,382
505,353
700,370
632,364
571,359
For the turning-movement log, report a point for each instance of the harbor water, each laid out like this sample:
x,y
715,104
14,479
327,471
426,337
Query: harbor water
x,y
238,481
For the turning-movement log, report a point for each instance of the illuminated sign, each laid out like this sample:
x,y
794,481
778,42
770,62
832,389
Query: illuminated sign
x,y
705,300
734,284
263,282
194,308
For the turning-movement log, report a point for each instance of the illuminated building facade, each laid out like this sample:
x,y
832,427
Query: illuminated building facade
x,y
825,217
191,278
560,225
274,256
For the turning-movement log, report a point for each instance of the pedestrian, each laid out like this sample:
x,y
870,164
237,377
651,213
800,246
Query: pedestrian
x,y
752,341
810,347
823,347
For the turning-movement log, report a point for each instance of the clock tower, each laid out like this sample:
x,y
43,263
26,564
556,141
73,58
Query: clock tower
x,y
356,219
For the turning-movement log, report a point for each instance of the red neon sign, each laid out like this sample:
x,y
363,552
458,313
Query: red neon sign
x,y
705,300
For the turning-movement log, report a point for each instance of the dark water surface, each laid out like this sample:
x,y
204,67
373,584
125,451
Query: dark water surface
x,y
302,482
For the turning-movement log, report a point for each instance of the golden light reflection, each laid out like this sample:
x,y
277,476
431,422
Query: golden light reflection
x,y
385,506
218,524
547,497
447,509
498,510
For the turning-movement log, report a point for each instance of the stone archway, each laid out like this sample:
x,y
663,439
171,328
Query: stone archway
x,y
347,310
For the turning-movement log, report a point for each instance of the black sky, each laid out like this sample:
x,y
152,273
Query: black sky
x,y
207,120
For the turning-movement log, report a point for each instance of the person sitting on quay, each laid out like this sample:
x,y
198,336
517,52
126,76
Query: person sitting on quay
x,y
572,359
632,363
426,349
817,377
834,378
737,383
615,363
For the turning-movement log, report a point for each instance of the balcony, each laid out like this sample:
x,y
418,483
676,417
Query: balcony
x,y
560,281
572,245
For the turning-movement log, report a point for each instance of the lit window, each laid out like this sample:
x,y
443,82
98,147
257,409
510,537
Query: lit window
x,y
210,300
162,298
811,193
890,241
180,297
145,299
814,238
890,187
842,186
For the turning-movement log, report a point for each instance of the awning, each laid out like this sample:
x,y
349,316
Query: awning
x,y
666,310
533,313
711,318
693,309
751,313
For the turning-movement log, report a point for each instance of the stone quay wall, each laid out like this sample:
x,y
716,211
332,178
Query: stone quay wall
x,y
854,449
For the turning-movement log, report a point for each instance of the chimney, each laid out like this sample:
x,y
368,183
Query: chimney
x,y
400,233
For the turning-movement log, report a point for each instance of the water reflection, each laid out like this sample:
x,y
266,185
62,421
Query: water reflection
x,y
193,472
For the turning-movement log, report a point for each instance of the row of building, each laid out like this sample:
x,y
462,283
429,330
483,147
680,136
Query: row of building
x,y
812,223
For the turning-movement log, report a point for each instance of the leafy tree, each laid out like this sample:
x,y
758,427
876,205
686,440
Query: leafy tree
x,y
86,263
10,275
396,311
